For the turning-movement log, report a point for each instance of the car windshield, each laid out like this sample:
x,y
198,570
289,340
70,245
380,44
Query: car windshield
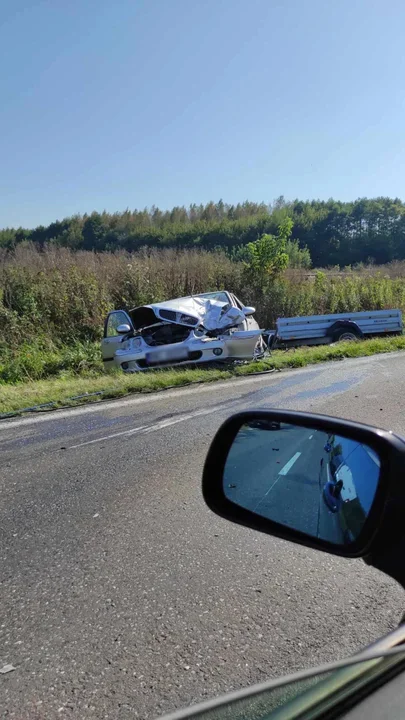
x,y
260,706
309,690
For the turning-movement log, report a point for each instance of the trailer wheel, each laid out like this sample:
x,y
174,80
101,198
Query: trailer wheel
x,y
343,335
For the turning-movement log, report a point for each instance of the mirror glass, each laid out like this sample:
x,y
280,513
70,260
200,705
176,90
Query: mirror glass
x,y
316,482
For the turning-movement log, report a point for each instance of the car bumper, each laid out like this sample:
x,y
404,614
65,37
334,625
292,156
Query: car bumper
x,y
201,351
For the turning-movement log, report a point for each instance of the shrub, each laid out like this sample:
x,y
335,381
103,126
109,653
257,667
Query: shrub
x,y
53,301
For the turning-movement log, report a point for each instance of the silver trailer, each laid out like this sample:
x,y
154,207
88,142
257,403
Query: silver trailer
x,y
323,329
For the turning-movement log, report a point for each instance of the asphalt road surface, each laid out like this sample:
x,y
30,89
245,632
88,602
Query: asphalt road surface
x,y
278,475
122,596
290,474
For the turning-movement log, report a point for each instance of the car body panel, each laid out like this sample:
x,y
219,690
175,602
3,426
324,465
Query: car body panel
x,y
218,331
198,349
339,493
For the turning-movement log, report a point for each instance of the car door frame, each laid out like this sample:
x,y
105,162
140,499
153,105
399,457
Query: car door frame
x,y
251,322
111,343
238,304
347,682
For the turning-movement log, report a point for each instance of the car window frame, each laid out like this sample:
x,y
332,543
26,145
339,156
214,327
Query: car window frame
x,y
349,682
237,303
115,312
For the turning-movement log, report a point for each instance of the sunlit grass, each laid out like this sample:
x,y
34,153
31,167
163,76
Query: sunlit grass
x,y
62,391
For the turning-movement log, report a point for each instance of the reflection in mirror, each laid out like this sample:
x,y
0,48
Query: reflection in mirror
x,y
318,483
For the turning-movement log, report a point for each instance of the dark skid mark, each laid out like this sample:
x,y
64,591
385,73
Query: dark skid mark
x,y
65,428
284,384
223,405
303,479
100,422
336,387
68,427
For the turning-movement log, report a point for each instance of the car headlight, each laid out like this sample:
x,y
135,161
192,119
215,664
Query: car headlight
x,y
136,343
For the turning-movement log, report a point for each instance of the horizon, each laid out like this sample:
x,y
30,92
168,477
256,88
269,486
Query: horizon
x,y
270,206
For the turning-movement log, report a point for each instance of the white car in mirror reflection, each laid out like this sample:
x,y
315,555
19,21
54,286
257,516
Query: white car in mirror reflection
x,y
197,329
323,485
342,492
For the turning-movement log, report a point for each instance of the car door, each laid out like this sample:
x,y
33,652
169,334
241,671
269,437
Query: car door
x,y
112,339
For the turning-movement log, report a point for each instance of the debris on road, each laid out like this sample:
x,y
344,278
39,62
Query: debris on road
x,y
7,668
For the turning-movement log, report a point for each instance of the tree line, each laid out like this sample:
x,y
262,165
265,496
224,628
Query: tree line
x,y
329,232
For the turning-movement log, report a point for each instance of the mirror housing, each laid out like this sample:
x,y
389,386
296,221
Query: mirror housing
x,y
248,311
384,521
123,329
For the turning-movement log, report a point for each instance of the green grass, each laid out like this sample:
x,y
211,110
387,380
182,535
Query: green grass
x,y
63,389
40,358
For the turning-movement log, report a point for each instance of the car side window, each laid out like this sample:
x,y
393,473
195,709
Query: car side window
x,y
119,317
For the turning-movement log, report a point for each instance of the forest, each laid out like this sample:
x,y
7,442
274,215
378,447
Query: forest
x,y
334,233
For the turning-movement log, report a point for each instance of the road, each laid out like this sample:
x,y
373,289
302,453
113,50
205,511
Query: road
x,y
122,596
289,473
288,478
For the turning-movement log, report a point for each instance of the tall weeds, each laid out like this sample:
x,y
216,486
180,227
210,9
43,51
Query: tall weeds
x,y
53,302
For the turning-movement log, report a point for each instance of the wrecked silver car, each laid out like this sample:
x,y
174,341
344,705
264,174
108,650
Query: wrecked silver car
x,y
209,327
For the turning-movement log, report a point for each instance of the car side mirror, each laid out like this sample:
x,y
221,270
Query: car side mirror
x,y
247,311
316,480
123,329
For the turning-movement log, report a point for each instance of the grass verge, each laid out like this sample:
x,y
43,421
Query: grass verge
x,y
64,391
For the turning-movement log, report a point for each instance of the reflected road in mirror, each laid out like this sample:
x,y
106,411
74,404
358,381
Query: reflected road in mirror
x,y
318,483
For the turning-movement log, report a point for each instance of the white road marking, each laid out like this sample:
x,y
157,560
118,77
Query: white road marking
x,y
310,437
283,471
144,429
265,495
272,486
289,464
109,437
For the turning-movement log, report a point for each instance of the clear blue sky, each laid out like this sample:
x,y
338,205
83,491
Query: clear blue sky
x,y
129,103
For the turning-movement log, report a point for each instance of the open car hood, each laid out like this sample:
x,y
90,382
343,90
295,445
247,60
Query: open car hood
x,y
191,312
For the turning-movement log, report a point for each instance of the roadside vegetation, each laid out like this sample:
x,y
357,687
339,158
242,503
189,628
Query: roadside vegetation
x,y
53,301
70,389
58,283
